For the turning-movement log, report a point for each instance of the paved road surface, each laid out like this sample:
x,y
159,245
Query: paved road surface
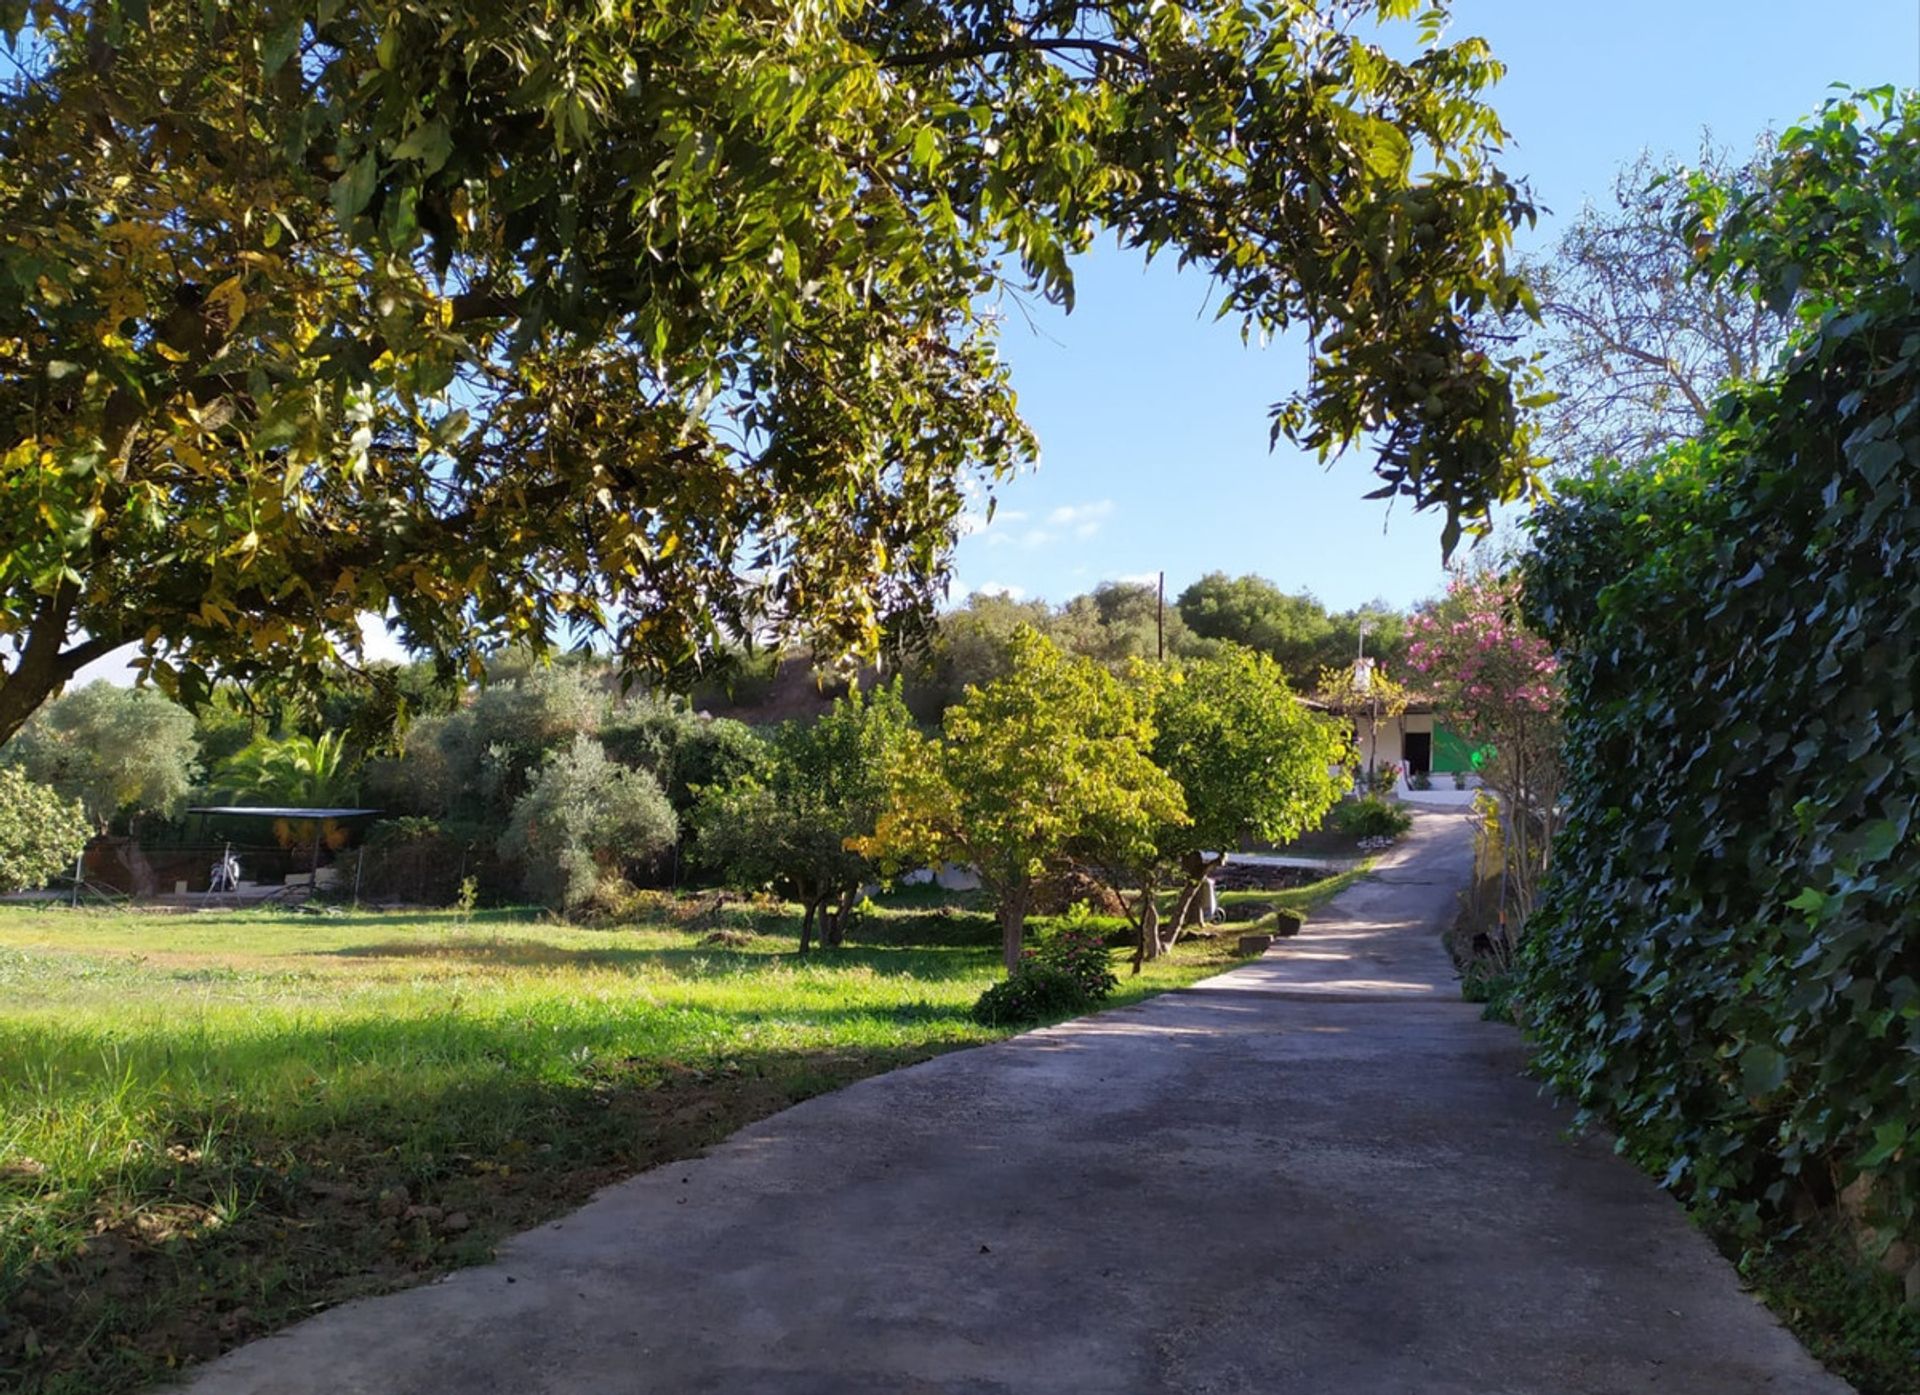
x,y
1320,1173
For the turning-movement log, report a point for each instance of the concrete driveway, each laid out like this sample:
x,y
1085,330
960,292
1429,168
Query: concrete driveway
x,y
1318,1173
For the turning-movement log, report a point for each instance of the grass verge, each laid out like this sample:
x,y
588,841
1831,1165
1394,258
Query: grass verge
x,y
212,1125
1853,1317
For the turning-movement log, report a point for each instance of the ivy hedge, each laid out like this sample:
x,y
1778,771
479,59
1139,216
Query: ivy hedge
x,y
1726,966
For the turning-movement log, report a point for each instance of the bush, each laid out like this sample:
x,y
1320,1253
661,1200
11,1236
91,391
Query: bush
x,y
581,818
1079,950
1494,987
41,833
684,751
1066,973
1031,993
1382,779
1371,817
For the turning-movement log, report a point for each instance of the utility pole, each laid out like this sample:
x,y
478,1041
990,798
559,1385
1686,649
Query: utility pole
x,y
1160,621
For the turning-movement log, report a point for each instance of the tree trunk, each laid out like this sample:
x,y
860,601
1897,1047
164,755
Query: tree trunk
x,y
806,926
833,923
41,667
141,879
1198,869
1013,923
1148,944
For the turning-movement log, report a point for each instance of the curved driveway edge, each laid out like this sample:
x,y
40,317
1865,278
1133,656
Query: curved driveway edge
x,y
1320,1173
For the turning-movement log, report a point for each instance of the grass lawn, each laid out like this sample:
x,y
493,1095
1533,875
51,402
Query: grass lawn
x,y
213,1124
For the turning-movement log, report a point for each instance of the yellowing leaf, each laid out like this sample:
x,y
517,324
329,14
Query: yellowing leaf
x,y
228,302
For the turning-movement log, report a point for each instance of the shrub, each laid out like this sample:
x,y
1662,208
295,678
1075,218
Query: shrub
x,y
583,816
1079,950
1031,993
1382,779
684,751
1068,972
1494,987
1371,817
41,833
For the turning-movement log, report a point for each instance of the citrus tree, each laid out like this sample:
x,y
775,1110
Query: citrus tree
x,y
1252,760
661,324
1053,753
41,831
824,786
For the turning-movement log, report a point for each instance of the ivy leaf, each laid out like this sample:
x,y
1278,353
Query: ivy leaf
x,y
1878,840
1762,1070
1888,1139
1810,902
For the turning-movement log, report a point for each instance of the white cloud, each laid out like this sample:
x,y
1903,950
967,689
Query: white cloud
x,y
1080,521
1080,515
1000,588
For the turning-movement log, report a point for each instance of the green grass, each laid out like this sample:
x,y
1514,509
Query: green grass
x,y
207,1121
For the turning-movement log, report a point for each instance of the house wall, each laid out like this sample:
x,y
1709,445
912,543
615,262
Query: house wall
x,y
1451,751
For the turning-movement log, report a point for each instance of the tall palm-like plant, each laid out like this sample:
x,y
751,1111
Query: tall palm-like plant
x,y
301,770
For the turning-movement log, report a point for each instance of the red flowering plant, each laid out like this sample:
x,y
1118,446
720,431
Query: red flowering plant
x,y
1496,681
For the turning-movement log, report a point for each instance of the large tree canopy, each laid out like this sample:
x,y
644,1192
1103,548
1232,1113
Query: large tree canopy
x,y
659,323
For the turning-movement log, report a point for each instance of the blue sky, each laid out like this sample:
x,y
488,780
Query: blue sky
x,y
1153,418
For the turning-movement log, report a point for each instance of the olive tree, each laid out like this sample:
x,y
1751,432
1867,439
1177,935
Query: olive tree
x,y
114,749
581,818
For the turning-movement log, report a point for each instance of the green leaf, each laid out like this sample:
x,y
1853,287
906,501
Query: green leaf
x,y
429,143
1878,840
1762,1070
1888,1139
353,190
1809,901
280,45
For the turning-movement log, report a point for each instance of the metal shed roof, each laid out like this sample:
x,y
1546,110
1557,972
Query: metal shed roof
x,y
278,812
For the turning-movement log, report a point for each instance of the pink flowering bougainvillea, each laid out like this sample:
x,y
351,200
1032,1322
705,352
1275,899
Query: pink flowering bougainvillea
x,y
1496,681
